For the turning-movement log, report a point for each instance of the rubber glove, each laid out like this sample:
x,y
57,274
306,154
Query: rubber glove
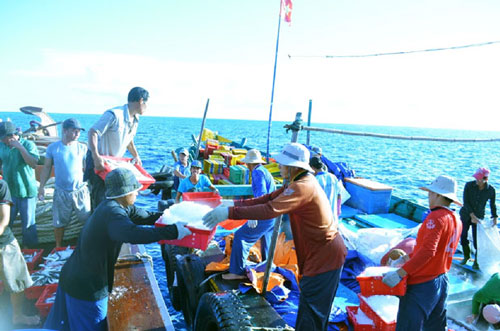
x,y
215,216
182,230
252,224
226,203
391,278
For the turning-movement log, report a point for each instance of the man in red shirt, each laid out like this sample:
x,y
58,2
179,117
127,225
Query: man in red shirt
x,y
319,246
424,304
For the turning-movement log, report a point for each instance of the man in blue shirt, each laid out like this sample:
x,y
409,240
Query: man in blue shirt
x,y
181,168
246,236
71,195
196,182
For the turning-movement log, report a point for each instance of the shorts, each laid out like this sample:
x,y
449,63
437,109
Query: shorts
x,y
66,204
13,270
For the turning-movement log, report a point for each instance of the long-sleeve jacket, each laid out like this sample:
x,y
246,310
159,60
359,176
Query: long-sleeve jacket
x,y
89,272
318,244
489,293
475,200
437,241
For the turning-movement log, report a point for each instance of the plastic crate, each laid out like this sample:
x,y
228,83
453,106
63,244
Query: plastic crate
x,y
107,169
368,196
199,238
42,306
374,286
351,315
37,259
57,249
380,324
34,292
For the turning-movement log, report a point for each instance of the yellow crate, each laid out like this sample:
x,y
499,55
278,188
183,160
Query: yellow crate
x,y
237,151
208,134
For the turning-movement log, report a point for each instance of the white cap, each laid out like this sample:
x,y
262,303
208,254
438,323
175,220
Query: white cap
x,y
445,186
294,155
253,156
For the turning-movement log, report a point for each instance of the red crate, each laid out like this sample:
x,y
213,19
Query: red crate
x,y
57,249
380,324
374,286
351,313
34,292
198,239
107,169
41,305
37,259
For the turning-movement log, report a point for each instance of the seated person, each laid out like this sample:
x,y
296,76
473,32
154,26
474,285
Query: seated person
x,y
181,168
488,297
196,182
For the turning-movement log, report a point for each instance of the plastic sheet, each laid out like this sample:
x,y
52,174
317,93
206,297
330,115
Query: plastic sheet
x,y
488,248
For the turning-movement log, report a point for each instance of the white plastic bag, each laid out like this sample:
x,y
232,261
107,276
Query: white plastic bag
x,y
488,248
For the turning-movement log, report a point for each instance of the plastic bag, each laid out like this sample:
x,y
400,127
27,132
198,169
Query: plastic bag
x,y
488,248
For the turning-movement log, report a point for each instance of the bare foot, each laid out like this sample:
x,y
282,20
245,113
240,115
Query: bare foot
x,y
26,320
231,276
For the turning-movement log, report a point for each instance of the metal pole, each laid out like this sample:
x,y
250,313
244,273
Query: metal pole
x,y
270,256
295,132
274,80
309,122
201,131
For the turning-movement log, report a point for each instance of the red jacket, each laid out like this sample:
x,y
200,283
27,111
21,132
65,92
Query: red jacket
x,y
318,244
437,240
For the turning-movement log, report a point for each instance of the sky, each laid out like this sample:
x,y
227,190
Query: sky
x,y
84,57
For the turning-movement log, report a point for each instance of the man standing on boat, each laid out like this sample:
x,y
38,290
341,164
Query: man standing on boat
x,y
320,248
423,307
87,277
253,230
112,135
181,168
476,194
13,270
19,159
71,195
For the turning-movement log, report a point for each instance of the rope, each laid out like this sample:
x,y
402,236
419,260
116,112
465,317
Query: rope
x,y
401,52
387,136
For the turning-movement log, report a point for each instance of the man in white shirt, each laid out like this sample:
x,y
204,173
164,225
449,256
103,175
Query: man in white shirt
x,y
112,135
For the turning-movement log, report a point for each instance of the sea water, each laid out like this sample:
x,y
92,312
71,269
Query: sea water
x,y
405,165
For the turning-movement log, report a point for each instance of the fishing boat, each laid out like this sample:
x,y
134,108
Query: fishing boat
x,y
136,302
208,302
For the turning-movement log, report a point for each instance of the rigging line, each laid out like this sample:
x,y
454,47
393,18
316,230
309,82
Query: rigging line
x,y
401,52
387,136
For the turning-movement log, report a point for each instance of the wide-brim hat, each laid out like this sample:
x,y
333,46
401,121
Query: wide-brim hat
x,y
294,155
7,128
253,156
121,182
445,186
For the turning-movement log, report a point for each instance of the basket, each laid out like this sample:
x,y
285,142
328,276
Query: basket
x,y
199,238
41,305
380,324
107,169
37,259
351,314
374,286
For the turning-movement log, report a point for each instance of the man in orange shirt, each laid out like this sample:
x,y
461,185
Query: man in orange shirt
x,y
424,304
319,246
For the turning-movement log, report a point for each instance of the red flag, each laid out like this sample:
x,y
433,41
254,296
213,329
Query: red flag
x,y
287,6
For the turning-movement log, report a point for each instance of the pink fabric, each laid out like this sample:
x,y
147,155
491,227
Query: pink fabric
x,y
480,173
491,313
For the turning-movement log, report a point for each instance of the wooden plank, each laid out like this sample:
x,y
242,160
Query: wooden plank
x,y
136,302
